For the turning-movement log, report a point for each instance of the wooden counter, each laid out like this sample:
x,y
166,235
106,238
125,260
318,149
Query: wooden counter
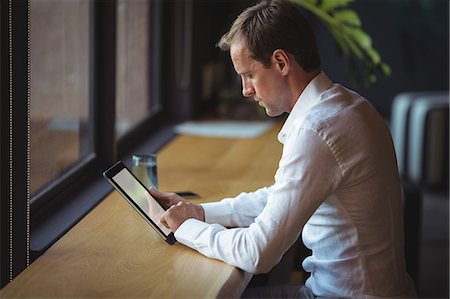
x,y
113,253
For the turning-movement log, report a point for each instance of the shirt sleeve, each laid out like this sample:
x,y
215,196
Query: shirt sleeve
x,y
238,211
308,173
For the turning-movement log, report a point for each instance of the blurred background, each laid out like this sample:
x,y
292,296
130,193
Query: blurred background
x,y
168,70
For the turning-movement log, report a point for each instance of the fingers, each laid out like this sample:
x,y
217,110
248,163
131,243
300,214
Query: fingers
x,y
163,219
159,194
180,212
172,218
166,199
155,193
161,197
178,209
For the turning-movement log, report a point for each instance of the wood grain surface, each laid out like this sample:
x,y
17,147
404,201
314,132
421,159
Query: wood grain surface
x,y
113,253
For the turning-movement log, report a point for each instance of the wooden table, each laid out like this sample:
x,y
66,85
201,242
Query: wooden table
x,y
113,253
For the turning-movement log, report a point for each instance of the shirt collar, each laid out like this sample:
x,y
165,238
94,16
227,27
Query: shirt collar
x,y
306,100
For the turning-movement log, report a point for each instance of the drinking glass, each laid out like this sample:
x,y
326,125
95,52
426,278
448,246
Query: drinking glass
x,y
144,168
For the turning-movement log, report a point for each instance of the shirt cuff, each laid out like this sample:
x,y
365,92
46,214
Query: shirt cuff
x,y
189,230
217,212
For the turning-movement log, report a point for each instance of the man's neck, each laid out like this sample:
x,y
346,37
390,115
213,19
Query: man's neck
x,y
302,79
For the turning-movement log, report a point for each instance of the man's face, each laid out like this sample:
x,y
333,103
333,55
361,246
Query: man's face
x,y
267,86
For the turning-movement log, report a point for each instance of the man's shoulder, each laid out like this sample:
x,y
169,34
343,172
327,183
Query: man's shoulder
x,y
333,106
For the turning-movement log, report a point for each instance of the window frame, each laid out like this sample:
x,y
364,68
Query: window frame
x,y
13,151
159,115
42,220
58,195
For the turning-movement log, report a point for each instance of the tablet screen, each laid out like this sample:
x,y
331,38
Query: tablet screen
x,y
141,197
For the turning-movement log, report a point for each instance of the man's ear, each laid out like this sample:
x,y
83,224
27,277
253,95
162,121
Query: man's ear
x,y
281,60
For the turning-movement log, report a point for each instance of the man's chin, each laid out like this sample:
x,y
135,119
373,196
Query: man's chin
x,y
271,113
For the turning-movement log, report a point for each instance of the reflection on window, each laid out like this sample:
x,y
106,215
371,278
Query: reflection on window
x,y
132,67
59,85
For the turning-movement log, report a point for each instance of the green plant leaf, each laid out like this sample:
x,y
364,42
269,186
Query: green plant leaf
x,y
328,5
344,25
362,38
386,69
347,16
340,39
373,55
353,46
311,5
370,73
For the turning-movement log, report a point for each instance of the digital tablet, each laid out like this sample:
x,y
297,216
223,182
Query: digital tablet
x,y
139,198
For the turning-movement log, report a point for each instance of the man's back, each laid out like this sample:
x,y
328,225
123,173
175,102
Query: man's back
x,y
356,235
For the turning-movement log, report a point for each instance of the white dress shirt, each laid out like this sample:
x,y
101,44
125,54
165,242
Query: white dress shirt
x,y
337,184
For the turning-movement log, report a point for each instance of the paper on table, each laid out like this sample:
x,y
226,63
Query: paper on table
x,y
224,129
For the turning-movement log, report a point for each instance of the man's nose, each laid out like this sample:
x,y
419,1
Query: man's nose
x,y
247,90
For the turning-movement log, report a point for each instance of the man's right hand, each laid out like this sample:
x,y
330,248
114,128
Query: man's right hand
x,y
178,209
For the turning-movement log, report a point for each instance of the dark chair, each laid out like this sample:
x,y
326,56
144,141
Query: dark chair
x,y
412,196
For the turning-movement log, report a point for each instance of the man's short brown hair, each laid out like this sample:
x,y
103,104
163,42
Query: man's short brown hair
x,y
271,25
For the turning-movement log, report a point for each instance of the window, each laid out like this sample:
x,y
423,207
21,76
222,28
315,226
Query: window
x,y
59,88
134,103
77,78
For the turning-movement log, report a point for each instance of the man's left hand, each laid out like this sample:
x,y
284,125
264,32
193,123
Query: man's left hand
x,y
177,214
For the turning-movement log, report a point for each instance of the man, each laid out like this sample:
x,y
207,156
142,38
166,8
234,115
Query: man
x,y
337,181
